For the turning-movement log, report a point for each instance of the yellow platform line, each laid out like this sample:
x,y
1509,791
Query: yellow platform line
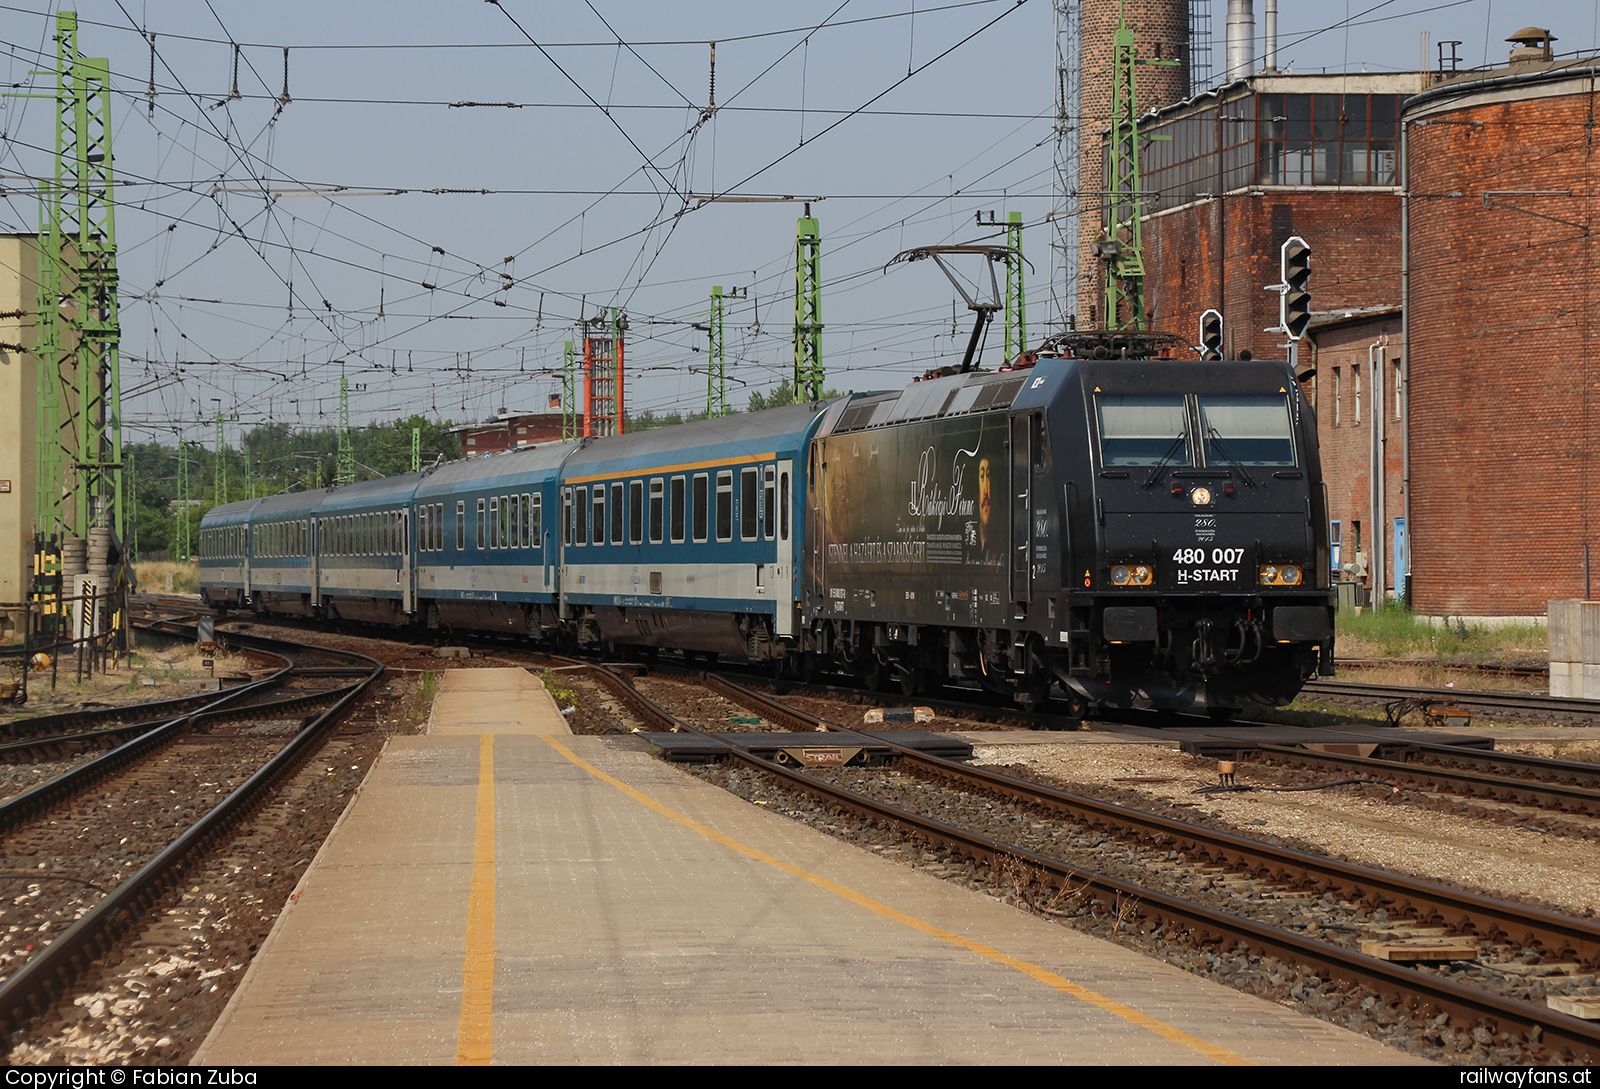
x,y
475,1038
1043,975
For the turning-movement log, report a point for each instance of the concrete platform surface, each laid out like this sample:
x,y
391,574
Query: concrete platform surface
x,y
513,898
494,701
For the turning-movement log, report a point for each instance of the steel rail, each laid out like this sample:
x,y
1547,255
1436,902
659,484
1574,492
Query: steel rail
x,y
1465,1005
1476,699
50,973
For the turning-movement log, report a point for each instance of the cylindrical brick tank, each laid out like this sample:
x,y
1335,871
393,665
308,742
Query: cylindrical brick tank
x,y
1502,381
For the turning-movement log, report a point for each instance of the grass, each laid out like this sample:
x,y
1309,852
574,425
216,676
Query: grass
x,y
1395,632
153,577
562,695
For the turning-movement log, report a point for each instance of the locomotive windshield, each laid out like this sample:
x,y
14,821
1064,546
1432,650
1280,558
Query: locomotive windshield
x,y
1143,429
1246,430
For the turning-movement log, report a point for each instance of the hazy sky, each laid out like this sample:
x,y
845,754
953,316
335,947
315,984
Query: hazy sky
x,y
246,278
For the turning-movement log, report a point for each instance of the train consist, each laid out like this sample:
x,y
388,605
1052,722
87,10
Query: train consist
x,y
1111,532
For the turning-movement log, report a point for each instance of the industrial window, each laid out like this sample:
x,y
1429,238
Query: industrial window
x,y
494,522
616,514
461,526
701,486
675,501
747,504
655,511
1355,390
636,511
768,497
1398,379
599,514
724,506
1338,396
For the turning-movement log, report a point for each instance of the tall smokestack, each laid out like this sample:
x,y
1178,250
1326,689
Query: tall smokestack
x,y
1269,55
1241,39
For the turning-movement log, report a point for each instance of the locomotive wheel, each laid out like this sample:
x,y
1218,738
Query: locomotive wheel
x,y
875,675
910,683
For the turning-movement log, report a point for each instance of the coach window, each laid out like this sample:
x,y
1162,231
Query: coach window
x,y
616,514
636,511
769,495
580,516
494,522
656,499
747,504
461,525
675,501
566,516
599,514
515,522
701,506
482,537
724,506
506,523
535,520
424,528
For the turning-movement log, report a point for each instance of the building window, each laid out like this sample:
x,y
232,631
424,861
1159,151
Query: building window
x,y
1355,390
1338,397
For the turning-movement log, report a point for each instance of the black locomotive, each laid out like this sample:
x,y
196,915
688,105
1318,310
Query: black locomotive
x,y
1128,532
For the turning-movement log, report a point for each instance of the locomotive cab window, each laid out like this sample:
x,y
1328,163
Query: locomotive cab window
x,y
1240,429
1143,429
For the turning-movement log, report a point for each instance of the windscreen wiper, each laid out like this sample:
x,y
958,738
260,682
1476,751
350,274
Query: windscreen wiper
x,y
1222,448
1177,443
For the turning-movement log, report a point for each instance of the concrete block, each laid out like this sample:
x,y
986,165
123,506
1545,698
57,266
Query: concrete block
x,y
1588,647
1560,615
1560,677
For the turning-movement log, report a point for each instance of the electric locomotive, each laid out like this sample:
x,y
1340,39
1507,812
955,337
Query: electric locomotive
x,y
1139,533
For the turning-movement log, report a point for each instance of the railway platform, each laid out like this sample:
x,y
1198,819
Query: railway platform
x,y
503,892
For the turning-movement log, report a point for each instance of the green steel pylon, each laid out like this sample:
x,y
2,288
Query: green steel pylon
x,y
416,449
808,371
716,372
345,473
1122,249
183,501
1016,321
80,395
220,470
569,394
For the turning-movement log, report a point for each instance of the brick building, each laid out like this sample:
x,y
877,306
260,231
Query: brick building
x,y
1504,383
1252,163
509,432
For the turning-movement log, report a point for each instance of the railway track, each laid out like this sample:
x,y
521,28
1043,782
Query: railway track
x,y
1552,708
194,768
1420,906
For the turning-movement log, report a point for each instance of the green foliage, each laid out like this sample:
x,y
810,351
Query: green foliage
x,y
1398,633
273,458
784,394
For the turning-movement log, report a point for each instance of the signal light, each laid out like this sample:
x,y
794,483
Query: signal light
x,y
1294,306
1211,335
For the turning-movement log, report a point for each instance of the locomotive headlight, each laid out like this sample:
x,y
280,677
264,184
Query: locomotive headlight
x,y
1287,574
1290,575
1132,574
1269,575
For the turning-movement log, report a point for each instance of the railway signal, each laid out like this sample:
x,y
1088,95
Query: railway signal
x,y
1211,335
1294,307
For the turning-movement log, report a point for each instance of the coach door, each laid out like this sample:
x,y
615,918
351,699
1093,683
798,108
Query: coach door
x,y
783,581
408,582
314,562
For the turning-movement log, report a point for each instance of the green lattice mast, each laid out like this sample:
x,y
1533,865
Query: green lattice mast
x,y
345,473
80,397
716,372
569,393
1122,250
809,375
1016,319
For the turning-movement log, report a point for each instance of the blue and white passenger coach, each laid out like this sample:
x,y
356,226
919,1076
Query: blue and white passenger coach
x,y
688,536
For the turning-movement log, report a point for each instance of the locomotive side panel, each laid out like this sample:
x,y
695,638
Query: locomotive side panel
x,y
915,523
